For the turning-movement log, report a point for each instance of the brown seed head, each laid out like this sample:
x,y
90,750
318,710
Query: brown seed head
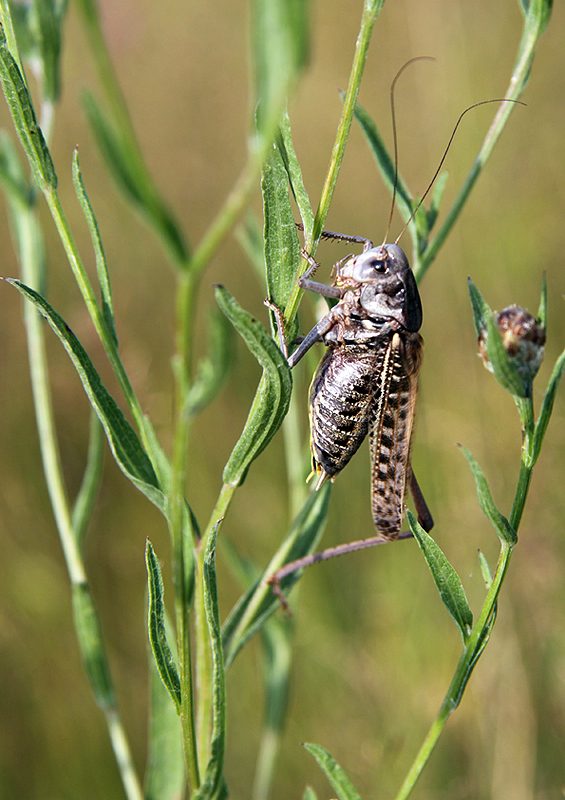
x,y
523,339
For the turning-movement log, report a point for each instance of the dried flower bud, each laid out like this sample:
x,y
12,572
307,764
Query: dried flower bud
x,y
523,339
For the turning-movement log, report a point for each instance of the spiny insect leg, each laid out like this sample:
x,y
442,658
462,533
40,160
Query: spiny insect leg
x,y
275,579
342,237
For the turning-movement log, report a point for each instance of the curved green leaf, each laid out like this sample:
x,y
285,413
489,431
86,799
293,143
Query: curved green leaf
x,y
23,116
124,443
445,577
280,44
340,782
90,640
547,406
101,264
156,627
504,529
282,246
292,167
88,492
385,163
273,393
499,362
213,369
133,178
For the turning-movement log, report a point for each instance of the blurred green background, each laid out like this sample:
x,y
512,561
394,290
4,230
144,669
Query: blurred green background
x,y
374,647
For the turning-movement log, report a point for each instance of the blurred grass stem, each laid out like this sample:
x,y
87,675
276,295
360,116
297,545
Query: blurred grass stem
x,y
371,10
533,28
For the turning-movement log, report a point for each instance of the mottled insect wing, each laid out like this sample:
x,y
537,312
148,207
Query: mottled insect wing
x,y
390,431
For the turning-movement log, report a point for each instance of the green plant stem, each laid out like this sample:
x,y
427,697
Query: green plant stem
x,y
122,753
481,630
462,674
371,10
31,272
203,655
182,601
516,86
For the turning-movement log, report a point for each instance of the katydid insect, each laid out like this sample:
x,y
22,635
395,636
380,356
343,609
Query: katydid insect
x,y
366,384
367,381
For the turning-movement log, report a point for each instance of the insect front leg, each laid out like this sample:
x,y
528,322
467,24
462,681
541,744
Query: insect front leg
x,y
314,286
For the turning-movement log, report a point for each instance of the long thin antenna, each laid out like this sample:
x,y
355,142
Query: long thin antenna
x,y
475,105
394,136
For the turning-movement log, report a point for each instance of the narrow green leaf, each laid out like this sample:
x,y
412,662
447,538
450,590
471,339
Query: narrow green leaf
x,y
273,393
547,406
258,603
421,223
542,310
501,525
46,21
101,264
294,172
156,627
445,577
499,362
23,116
21,20
91,646
481,309
280,43
282,246
502,367
437,196
334,773
309,794
485,569
385,163
165,774
88,492
212,370
124,443
132,177
213,778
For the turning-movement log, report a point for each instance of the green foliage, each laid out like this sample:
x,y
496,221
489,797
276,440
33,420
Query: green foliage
x,y
87,626
273,393
446,579
334,773
189,734
162,654
25,122
126,447
499,522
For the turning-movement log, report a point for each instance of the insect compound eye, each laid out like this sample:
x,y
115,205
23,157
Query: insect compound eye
x,y
378,265
369,265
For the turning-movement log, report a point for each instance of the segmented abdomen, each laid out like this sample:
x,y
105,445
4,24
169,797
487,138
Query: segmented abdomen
x,y
341,397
